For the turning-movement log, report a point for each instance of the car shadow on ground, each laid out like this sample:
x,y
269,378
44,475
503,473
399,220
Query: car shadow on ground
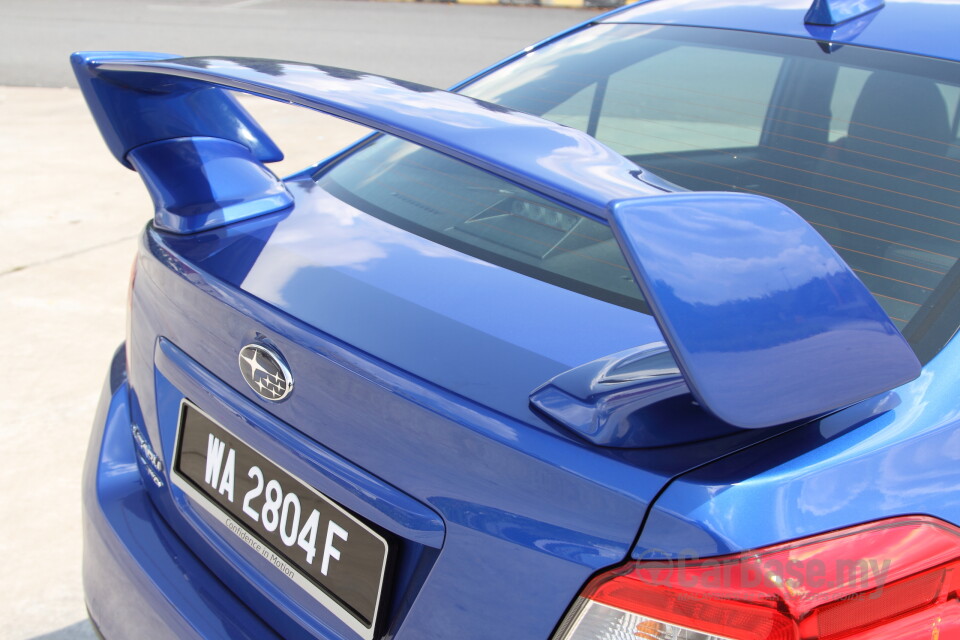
x,y
81,630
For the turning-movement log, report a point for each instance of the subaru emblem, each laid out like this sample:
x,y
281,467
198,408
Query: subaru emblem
x,y
265,372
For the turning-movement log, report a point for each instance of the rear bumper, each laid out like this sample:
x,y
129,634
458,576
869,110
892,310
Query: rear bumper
x,y
140,581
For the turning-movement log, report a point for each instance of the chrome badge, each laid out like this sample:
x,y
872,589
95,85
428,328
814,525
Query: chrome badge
x,y
265,372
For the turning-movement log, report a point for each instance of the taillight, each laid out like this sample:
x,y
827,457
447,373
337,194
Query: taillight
x,y
894,579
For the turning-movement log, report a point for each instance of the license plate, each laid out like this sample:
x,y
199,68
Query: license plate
x,y
306,536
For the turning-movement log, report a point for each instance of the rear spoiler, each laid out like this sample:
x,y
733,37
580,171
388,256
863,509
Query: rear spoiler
x,y
766,323
140,98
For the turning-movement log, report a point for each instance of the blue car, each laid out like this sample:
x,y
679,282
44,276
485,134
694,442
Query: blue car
x,y
645,332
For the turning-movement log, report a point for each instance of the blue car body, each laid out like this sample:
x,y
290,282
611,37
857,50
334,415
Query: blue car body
x,y
467,414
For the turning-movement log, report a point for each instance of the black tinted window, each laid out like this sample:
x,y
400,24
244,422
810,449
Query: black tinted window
x,y
862,143
485,216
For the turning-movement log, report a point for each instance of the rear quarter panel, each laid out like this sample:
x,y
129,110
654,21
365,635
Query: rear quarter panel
x,y
897,454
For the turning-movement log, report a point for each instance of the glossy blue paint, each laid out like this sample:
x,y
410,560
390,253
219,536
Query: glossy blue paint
x,y
404,517
560,162
324,249
411,403
634,398
472,452
830,38
833,12
201,182
756,305
908,26
418,527
479,133
140,580
897,454
132,110
480,469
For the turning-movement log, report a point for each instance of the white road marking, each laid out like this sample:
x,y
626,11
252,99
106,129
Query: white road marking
x,y
244,3
241,6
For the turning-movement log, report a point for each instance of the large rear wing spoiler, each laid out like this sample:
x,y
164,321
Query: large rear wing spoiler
x,y
766,323
139,98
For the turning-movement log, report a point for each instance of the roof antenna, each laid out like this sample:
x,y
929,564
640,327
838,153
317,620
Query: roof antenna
x,y
834,22
829,13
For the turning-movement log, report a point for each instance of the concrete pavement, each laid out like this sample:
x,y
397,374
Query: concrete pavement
x,y
69,216
432,43
68,227
64,249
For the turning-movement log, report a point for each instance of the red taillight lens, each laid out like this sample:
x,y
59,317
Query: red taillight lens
x,y
895,579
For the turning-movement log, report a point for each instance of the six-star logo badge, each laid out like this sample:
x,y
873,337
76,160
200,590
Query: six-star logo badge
x,y
265,372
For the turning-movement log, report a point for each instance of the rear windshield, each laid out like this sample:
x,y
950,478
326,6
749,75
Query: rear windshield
x,y
862,143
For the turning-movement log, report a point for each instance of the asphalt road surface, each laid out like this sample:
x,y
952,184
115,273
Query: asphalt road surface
x,y
69,217
431,43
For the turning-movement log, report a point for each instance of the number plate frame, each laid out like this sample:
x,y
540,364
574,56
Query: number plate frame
x,y
194,428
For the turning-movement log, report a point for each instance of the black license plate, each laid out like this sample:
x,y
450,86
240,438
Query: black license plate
x,y
308,537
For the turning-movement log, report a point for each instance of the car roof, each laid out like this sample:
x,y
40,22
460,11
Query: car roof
x,y
926,28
